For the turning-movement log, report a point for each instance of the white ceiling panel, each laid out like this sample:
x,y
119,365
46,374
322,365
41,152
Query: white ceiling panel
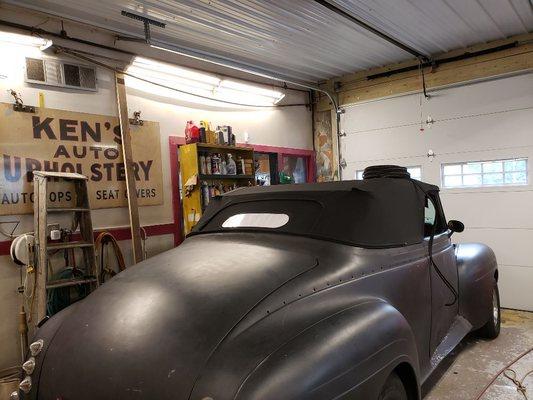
x,y
302,39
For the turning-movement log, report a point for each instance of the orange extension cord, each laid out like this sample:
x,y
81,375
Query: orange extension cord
x,y
502,371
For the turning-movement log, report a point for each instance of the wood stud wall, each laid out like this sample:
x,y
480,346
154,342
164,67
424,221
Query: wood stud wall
x,y
356,87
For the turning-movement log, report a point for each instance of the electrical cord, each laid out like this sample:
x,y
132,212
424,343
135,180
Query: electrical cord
x,y
111,68
521,388
519,383
430,254
438,271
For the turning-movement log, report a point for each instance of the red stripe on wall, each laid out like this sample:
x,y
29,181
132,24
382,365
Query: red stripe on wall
x,y
122,233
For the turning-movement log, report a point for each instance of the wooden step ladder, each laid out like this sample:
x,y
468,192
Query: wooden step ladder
x,y
81,211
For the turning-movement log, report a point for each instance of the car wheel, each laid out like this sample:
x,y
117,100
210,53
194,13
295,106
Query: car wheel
x,y
491,329
393,389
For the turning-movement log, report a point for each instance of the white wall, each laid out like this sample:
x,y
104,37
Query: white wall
x,y
481,121
284,127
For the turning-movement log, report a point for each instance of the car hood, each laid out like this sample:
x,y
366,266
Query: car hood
x,y
150,331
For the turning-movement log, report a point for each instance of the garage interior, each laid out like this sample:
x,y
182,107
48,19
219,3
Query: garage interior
x,y
182,101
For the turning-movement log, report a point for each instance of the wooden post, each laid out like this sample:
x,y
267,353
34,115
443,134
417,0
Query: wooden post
x,y
41,262
128,165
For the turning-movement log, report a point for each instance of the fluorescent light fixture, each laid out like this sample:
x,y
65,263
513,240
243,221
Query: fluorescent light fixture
x,y
15,38
217,90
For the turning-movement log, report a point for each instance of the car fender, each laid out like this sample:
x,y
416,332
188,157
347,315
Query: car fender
x,y
350,353
477,271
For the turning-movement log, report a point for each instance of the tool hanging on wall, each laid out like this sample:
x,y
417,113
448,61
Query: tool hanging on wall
x,y
22,254
52,290
136,120
19,104
105,272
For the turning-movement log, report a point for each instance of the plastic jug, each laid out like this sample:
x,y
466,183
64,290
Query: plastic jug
x,y
192,133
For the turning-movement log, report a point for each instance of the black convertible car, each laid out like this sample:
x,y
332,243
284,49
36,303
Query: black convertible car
x,y
341,290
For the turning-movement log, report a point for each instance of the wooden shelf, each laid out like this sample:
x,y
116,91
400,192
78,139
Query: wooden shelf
x,y
223,147
67,245
69,282
189,156
67,209
224,177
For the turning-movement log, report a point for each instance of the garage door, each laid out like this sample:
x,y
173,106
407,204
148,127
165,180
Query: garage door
x,y
482,140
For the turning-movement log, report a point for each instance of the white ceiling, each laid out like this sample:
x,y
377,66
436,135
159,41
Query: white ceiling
x,y
301,39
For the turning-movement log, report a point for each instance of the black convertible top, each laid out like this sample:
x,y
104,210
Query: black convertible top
x,y
380,212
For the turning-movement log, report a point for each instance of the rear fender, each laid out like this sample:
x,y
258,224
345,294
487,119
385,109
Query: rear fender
x,y
350,354
477,271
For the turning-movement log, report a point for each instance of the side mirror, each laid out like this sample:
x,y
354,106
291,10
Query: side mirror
x,y
455,226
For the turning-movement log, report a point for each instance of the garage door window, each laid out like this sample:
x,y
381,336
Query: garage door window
x,y
485,173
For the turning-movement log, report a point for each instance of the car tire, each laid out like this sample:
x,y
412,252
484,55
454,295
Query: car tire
x,y
491,329
393,389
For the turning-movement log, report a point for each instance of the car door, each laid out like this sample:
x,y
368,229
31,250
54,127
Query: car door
x,y
443,271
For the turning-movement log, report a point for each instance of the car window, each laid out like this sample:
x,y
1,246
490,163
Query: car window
x,y
429,212
429,217
256,220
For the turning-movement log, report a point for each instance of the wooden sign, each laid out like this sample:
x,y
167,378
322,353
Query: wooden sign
x,y
65,141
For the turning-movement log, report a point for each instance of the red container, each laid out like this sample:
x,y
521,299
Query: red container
x,y
192,133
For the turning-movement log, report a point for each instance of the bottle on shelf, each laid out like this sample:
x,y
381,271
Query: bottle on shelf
x,y
192,134
231,167
240,166
223,167
215,164
203,167
208,164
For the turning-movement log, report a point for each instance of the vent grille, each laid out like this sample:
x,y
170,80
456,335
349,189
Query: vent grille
x,y
35,69
57,73
53,72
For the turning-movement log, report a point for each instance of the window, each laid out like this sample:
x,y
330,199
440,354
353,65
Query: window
x,y
434,220
414,171
256,220
294,170
485,173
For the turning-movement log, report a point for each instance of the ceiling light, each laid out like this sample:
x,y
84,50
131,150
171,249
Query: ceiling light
x,y
15,38
170,79
174,70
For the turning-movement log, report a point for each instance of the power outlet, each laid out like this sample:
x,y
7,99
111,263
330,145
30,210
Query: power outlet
x,y
51,227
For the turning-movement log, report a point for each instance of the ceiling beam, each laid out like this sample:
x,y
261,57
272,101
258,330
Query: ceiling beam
x,y
349,16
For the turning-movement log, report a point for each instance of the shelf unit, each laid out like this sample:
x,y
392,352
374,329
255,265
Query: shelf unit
x,y
189,156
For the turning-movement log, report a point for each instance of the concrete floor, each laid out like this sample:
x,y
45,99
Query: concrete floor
x,y
464,374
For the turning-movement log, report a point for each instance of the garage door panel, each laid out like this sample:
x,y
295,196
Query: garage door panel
x,y
490,96
486,132
515,287
390,112
483,98
491,209
385,144
512,246
481,139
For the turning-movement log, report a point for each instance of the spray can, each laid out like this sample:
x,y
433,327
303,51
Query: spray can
x,y
208,164
203,169
205,194
215,164
223,168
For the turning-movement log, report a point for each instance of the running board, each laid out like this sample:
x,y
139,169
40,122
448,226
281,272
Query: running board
x,y
459,329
